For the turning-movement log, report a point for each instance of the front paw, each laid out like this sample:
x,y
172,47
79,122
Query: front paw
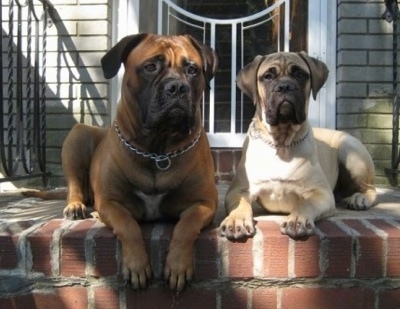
x,y
237,226
359,201
75,211
178,271
136,269
297,226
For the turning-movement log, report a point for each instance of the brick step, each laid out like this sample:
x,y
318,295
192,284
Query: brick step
x,y
350,263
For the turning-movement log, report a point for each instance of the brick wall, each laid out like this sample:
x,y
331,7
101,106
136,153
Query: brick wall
x,y
364,78
75,264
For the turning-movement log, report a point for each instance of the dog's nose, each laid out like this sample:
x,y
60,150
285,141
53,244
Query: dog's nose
x,y
283,87
176,88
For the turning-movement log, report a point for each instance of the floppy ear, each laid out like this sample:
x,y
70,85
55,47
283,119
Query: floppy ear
x,y
210,58
319,72
112,60
246,79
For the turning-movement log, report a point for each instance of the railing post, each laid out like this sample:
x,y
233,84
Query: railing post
x,y
391,15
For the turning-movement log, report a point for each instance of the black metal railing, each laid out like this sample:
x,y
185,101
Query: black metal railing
x,y
391,15
23,41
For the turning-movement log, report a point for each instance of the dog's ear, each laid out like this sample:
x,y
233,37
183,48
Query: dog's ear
x,y
210,58
246,79
319,72
111,61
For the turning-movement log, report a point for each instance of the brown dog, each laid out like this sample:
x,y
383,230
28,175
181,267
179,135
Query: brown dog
x,y
155,161
286,166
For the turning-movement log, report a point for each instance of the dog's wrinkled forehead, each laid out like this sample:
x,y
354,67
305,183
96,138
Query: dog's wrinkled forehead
x,y
282,64
175,50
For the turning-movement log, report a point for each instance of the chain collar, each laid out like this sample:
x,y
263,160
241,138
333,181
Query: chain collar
x,y
257,134
162,161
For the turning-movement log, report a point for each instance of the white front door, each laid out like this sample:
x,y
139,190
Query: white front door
x,y
227,124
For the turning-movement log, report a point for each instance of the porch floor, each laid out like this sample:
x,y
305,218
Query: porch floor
x,y
15,207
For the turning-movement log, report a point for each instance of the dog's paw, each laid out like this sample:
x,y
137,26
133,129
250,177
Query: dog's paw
x,y
296,226
359,201
75,211
178,270
136,270
237,226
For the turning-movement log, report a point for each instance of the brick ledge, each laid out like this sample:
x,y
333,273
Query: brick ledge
x,y
352,262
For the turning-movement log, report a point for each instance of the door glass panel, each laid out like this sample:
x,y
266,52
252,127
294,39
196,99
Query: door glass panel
x,y
257,37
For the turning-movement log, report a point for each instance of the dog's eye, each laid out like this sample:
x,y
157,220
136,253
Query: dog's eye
x,y
300,74
191,70
151,67
268,76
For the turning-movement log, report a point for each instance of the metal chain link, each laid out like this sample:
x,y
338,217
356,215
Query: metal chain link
x,y
256,134
159,159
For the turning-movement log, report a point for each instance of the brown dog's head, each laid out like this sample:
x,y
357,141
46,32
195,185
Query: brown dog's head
x,y
164,79
280,85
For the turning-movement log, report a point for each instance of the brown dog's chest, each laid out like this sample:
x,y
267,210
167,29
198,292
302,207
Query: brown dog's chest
x,y
151,205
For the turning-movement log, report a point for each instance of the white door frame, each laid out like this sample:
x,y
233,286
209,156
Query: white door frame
x,y
321,45
322,23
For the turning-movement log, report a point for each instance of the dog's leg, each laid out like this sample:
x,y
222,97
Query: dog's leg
x,y
314,205
357,173
239,223
179,263
136,267
76,155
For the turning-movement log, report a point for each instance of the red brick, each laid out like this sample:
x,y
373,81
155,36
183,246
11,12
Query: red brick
x,y
393,247
369,259
106,298
8,252
147,229
389,299
162,245
104,252
206,255
215,156
317,298
237,156
41,243
68,298
8,243
225,178
73,260
226,159
61,298
338,250
234,298
276,250
264,298
18,302
306,257
240,254
205,252
193,298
